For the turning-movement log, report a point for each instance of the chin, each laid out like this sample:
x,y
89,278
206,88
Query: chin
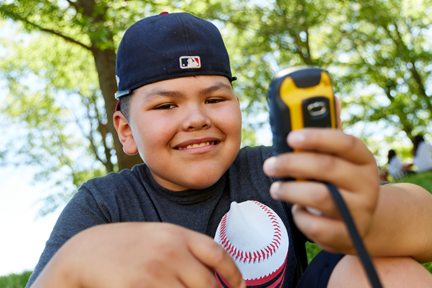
x,y
202,180
201,184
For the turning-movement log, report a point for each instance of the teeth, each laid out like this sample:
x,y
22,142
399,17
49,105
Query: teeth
x,y
197,145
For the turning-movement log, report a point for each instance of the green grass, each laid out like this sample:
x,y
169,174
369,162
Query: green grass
x,y
15,280
422,179
312,250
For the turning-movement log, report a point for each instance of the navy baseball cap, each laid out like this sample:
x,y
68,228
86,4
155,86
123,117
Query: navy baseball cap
x,y
169,46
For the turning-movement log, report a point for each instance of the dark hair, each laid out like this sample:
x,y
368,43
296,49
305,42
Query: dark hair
x,y
124,106
391,154
416,141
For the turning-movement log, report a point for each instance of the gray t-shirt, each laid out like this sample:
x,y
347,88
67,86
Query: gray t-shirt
x,y
133,195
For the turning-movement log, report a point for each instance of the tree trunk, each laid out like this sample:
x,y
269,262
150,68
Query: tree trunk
x,y
105,66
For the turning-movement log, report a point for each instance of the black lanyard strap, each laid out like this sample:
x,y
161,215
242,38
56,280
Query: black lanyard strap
x,y
355,237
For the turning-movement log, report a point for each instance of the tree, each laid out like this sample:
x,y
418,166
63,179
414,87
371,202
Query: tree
x,y
94,27
387,48
46,113
69,51
377,52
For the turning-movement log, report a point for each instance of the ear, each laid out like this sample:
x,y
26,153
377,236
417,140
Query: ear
x,y
124,132
238,100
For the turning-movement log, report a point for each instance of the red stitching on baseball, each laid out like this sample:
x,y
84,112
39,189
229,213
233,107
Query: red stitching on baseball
x,y
263,253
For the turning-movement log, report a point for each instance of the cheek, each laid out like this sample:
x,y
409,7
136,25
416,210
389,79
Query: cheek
x,y
154,133
230,122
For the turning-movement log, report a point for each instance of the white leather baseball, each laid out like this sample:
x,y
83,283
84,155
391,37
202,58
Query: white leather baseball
x,y
255,237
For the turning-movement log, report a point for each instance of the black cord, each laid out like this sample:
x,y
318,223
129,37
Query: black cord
x,y
355,237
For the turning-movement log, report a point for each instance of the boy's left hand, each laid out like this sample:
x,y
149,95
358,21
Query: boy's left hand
x,y
331,156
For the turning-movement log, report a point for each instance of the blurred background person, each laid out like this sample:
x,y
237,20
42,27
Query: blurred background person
x,y
396,168
422,153
383,173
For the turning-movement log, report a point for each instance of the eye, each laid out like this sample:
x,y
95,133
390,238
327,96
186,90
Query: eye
x,y
165,107
214,101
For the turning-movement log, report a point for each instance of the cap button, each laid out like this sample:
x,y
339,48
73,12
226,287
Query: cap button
x,y
164,12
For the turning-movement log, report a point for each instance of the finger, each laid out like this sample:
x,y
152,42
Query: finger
x,y
196,275
333,142
338,113
306,193
316,195
329,233
163,281
323,167
216,258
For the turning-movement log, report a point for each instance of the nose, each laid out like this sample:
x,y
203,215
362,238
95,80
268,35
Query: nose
x,y
196,118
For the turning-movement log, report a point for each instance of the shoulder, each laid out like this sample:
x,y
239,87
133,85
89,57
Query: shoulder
x,y
112,181
259,153
394,160
114,186
248,165
115,197
424,145
422,149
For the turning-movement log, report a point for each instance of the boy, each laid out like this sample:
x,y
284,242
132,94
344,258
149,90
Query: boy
x,y
179,111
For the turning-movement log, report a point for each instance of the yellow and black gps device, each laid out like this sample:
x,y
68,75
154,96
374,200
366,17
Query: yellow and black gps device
x,y
300,97
303,97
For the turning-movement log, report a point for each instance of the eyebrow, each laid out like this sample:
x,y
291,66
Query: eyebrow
x,y
217,86
176,94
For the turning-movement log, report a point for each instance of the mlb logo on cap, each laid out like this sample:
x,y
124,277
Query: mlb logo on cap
x,y
187,62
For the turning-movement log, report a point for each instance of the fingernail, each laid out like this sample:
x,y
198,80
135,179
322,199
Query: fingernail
x,y
274,190
314,211
269,165
296,137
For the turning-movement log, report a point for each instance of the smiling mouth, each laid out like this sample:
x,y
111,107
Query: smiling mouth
x,y
197,145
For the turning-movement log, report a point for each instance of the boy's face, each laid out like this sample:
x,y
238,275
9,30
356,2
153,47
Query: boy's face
x,y
187,130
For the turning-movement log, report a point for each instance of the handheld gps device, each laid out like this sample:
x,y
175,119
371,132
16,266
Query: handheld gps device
x,y
303,97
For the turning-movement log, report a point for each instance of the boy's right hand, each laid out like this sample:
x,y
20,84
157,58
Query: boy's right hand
x,y
139,255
